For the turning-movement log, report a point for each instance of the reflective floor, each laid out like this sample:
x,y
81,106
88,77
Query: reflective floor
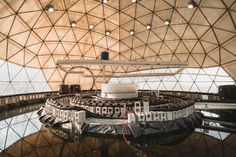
x,y
22,134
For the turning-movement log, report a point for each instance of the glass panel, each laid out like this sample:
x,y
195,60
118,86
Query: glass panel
x,y
20,79
190,79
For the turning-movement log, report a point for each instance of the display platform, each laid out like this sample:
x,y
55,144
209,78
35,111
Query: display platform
x,y
150,112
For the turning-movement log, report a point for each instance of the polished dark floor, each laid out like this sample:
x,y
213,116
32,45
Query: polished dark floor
x,y
22,134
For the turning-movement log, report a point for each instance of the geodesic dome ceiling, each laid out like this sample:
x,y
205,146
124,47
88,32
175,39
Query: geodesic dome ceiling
x,y
31,36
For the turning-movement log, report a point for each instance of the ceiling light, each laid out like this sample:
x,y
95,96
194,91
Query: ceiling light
x,y
104,1
108,32
50,8
167,22
148,26
134,1
72,24
131,32
91,27
191,4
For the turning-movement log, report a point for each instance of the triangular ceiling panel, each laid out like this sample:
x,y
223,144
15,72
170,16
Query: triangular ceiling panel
x,y
30,5
52,36
33,62
190,44
21,38
97,12
114,19
78,7
155,47
96,37
193,62
171,35
209,61
75,50
3,45
153,38
142,10
215,54
54,18
199,30
63,21
69,36
5,11
182,48
90,5
32,36
199,18
212,14
174,45
59,50
162,5
226,56
30,17
18,57
68,46
33,39
198,48
223,36
44,50
13,48
87,39
125,18
18,26
226,23
28,56
143,36
230,45
189,34
15,5
129,11
43,21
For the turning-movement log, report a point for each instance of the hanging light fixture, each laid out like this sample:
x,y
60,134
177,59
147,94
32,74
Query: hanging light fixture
x,y
108,32
72,24
148,26
191,4
91,27
131,32
134,1
104,1
167,22
50,8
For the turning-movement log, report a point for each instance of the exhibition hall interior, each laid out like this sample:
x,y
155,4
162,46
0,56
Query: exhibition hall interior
x,y
111,78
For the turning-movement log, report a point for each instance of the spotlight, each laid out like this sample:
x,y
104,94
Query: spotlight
x,y
131,32
72,24
191,4
148,26
134,1
104,1
167,22
91,27
50,8
108,32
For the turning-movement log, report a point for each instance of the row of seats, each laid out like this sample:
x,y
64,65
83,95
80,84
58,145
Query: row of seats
x,y
77,101
15,99
160,115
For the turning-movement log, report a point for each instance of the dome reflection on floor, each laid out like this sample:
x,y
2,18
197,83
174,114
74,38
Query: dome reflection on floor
x,y
21,134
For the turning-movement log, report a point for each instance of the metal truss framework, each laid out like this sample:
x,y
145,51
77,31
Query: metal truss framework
x,y
137,64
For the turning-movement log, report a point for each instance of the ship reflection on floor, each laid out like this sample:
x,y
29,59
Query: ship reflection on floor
x,y
22,134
